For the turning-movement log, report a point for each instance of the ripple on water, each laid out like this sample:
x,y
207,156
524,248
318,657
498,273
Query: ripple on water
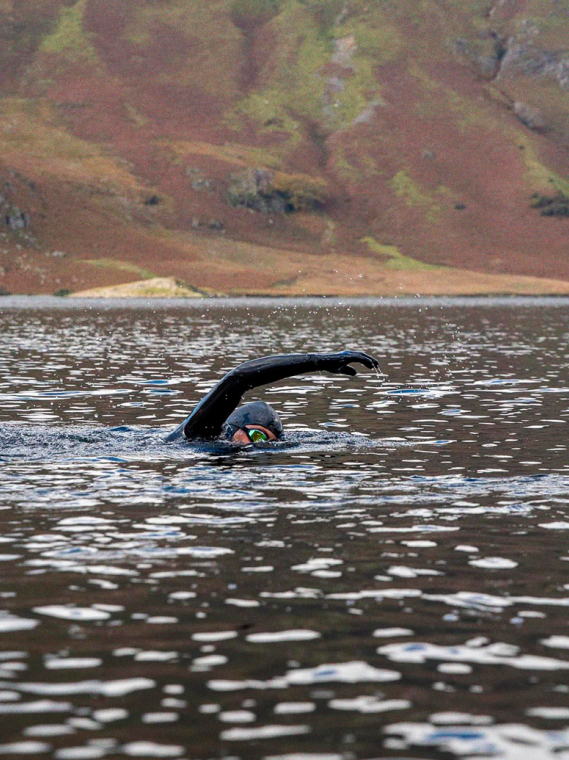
x,y
370,582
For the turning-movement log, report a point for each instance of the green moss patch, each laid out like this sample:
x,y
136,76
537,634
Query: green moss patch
x,y
122,266
540,175
396,259
321,70
414,195
69,37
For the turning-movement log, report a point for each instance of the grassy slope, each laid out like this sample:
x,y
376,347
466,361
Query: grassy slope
x,y
426,127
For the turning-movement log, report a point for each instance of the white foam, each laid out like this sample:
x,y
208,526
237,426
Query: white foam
x,y
317,563
459,718
237,716
24,748
557,642
151,749
160,717
155,656
9,696
507,741
387,593
209,660
454,668
10,623
493,654
420,544
471,599
389,632
80,753
263,732
243,602
70,612
38,706
278,636
161,620
402,571
49,729
345,672
118,688
88,520
110,714
54,663
356,671
203,552
368,704
214,636
550,713
294,708
493,563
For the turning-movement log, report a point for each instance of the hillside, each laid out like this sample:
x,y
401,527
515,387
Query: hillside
x,y
285,146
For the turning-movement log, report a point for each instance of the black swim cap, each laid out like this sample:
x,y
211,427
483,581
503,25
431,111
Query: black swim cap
x,y
253,413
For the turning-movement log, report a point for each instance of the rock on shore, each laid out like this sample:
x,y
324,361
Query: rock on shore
x,y
158,287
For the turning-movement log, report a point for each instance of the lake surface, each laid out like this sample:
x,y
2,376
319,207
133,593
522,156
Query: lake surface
x,y
391,581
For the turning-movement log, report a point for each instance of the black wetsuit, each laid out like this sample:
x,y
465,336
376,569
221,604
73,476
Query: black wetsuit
x,y
208,418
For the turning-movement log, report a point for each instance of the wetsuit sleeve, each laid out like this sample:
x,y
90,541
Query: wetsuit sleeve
x,y
206,420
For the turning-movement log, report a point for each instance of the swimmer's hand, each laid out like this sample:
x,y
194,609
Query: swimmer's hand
x,y
339,364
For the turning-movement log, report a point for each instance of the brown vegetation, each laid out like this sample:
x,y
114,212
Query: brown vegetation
x,y
285,146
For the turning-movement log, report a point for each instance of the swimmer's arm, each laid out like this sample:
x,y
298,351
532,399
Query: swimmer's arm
x,y
206,420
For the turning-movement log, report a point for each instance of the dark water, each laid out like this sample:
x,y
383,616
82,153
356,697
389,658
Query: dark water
x,y
390,582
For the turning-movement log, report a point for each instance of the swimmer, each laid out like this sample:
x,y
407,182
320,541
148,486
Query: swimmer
x,y
217,415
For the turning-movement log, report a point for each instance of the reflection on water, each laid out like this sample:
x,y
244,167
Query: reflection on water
x,y
389,581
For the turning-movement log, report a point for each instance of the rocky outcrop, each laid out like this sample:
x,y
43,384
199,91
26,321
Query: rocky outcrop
x,y
529,116
271,192
529,60
551,205
484,52
16,219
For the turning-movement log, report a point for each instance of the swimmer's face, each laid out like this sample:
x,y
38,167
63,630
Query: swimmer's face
x,y
253,434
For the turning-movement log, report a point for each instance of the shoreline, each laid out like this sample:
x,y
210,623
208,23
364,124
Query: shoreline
x,y
185,293
484,300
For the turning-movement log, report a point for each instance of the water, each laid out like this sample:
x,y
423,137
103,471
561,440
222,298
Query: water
x,y
391,581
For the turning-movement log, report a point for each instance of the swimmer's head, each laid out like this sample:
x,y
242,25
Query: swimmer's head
x,y
253,423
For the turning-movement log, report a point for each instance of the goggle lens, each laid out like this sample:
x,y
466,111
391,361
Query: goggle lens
x,y
255,436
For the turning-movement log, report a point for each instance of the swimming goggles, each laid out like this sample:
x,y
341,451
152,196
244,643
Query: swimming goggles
x,y
255,435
